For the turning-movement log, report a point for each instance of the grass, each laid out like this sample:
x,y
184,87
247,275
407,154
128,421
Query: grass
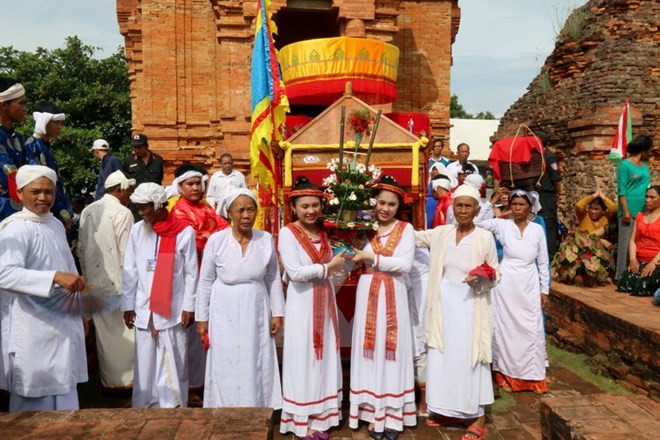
x,y
577,363
504,402
574,27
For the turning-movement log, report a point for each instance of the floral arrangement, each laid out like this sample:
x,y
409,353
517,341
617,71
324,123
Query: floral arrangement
x,y
583,259
349,194
361,121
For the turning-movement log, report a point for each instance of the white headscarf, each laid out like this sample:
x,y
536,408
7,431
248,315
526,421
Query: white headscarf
x,y
232,195
474,180
15,91
440,168
29,173
150,192
467,190
532,196
441,183
174,189
118,178
41,119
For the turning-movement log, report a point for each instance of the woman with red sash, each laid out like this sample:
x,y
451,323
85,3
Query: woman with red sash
x,y
311,366
382,370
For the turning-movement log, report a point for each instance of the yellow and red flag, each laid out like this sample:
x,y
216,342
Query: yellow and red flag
x,y
269,102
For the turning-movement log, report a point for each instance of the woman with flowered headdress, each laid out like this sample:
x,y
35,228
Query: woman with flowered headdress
x,y
382,370
311,366
519,355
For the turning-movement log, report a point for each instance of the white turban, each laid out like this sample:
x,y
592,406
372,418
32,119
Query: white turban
x,y
29,173
149,192
14,92
42,119
232,195
441,183
174,190
440,168
118,178
532,196
467,190
474,180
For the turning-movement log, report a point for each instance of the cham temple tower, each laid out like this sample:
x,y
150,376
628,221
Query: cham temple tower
x,y
189,65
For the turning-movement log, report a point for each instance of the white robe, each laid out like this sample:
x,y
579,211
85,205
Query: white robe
x,y
105,226
157,365
47,348
238,294
518,334
312,388
383,391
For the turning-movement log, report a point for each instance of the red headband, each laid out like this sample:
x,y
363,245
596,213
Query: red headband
x,y
307,193
405,197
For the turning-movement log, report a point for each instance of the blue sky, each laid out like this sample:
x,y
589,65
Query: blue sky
x,y
500,47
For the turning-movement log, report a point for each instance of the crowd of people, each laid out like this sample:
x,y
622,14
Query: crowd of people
x,y
200,294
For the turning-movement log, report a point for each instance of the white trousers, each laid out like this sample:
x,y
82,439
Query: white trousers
x,y
161,372
115,345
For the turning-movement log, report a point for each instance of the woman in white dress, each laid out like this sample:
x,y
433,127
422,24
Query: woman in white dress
x,y
382,370
519,355
459,318
311,366
239,308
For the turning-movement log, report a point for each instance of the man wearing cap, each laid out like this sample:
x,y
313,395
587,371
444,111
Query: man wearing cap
x,y
158,299
47,126
461,165
43,350
109,164
485,207
143,165
441,185
104,229
12,145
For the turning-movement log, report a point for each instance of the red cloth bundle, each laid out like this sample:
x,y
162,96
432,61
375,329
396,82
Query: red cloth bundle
x,y
485,271
515,149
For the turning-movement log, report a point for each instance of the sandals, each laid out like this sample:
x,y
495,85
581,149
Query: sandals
x,y
436,420
391,434
376,435
475,433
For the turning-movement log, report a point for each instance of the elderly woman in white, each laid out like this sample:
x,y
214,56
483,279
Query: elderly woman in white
x,y
239,309
459,318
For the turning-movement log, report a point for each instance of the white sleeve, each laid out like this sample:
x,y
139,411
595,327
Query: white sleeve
x,y
124,223
129,279
207,274
14,277
190,269
295,270
273,282
403,256
212,196
542,261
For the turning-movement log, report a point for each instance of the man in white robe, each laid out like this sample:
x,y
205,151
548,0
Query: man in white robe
x,y
104,229
158,299
222,182
43,350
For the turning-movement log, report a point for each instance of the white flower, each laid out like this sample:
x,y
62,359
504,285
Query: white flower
x,y
352,197
334,201
330,180
350,224
376,173
360,168
372,202
374,226
361,186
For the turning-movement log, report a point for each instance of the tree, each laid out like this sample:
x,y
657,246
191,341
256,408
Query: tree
x,y
457,111
93,93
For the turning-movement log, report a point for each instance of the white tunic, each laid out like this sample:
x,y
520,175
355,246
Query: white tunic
x,y
105,226
48,348
519,336
455,385
220,185
238,294
137,279
383,391
312,387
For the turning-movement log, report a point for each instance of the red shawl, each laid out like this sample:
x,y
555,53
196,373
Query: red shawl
x,y
322,288
202,218
440,215
390,300
160,300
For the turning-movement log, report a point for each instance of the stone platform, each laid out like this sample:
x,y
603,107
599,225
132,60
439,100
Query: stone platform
x,y
600,416
620,332
139,424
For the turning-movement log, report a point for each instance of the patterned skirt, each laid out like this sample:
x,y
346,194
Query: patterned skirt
x,y
636,285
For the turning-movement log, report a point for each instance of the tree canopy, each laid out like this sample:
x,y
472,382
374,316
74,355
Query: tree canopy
x,y
457,111
92,92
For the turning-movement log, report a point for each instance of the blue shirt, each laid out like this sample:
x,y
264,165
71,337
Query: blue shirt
x,y
12,157
442,160
109,164
39,153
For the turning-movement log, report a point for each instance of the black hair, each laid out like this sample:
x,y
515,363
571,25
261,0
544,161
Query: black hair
x,y
655,188
303,183
467,169
639,144
181,170
600,202
389,180
223,155
48,107
543,136
440,176
201,169
6,83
